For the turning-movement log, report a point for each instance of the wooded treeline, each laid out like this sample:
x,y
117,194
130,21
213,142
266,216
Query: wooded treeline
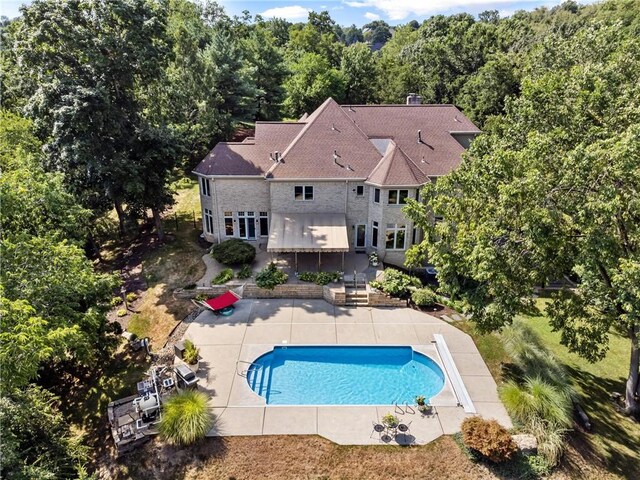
x,y
105,104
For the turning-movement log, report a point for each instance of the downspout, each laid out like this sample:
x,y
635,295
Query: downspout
x,y
346,194
217,209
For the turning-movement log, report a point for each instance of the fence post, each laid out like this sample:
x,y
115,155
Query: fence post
x,y
175,216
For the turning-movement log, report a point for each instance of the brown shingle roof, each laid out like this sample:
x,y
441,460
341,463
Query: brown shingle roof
x,y
307,147
396,169
250,157
328,130
440,151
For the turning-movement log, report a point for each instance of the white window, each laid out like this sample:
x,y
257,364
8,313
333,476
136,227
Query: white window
x,y
395,236
205,187
360,191
264,224
228,224
374,234
376,195
303,192
208,220
398,197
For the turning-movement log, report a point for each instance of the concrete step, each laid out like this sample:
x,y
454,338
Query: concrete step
x,y
356,304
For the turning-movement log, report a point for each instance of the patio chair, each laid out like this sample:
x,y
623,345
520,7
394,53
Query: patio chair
x,y
377,428
403,428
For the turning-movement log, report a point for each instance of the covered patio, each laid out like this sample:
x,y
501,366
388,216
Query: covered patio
x,y
306,233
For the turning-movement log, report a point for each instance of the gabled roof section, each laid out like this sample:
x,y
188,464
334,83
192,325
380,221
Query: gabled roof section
x,y
250,157
329,146
438,153
396,169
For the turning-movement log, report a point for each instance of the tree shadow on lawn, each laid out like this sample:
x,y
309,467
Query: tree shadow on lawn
x,y
614,434
86,392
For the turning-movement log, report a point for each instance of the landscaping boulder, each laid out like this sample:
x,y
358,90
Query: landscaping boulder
x,y
526,443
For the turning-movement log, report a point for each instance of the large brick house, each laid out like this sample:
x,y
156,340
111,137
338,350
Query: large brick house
x,y
333,181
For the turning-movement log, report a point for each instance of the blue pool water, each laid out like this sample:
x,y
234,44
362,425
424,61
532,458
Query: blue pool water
x,y
337,375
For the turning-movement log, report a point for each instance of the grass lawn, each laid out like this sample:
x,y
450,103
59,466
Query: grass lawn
x,y
175,264
301,457
615,437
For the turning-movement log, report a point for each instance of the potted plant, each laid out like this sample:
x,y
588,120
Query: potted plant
x,y
191,355
373,259
390,420
420,400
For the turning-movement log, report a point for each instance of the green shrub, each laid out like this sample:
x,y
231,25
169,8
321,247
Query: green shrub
x,y
324,278
201,297
270,276
307,276
121,312
245,272
223,277
488,438
185,417
424,297
191,353
538,465
115,301
396,283
131,297
376,284
234,252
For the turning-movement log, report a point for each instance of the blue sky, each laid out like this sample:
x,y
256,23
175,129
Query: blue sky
x,y
346,12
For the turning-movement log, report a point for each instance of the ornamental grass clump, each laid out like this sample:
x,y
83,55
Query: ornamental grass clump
x,y
185,418
490,439
541,399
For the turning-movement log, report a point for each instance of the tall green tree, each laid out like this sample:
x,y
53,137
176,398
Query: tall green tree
x,y
36,441
359,69
312,81
552,190
269,74
230,76
34,202
81,62
57,281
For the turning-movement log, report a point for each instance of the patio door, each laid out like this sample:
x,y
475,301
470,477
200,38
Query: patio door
x,y
247,225
361,235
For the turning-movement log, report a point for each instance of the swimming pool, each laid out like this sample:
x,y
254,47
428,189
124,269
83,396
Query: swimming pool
x,y
344,375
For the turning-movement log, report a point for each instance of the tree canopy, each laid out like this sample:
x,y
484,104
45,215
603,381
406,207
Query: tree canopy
x,y
561,169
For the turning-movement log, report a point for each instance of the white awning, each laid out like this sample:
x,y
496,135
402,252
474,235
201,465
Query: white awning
x,y
308,232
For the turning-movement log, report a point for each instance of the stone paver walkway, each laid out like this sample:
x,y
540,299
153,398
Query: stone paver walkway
x,y
257,325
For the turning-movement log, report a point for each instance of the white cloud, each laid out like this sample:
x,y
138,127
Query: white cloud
x,y
401,9
293,12
372,16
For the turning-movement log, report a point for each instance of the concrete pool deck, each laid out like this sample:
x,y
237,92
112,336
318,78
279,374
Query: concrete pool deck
x,y
257,325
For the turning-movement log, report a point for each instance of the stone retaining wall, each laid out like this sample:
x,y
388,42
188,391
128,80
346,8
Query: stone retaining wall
x,y
310,290
334,294
379,299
